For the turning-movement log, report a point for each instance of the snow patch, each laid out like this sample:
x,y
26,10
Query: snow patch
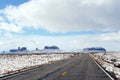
x,y
12,63
110,61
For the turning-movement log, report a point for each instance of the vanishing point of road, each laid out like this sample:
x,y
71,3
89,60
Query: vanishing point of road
x,y
81,67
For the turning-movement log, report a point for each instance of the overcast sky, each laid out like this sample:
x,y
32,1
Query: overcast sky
x,y
69,24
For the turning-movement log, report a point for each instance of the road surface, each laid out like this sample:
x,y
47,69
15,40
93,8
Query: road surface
x,y
81,67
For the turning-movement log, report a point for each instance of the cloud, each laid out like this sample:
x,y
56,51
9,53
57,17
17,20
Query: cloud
x,y
66,15
61,16
10,27
114,36
110,41
95,2
1,18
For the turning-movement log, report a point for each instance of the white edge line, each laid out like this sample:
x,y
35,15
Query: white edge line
x,y
102,69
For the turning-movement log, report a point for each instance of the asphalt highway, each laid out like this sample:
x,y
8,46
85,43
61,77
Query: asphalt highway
x,y
81,67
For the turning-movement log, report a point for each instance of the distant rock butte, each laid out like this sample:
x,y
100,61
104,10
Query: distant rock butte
x,y
51,47
94,49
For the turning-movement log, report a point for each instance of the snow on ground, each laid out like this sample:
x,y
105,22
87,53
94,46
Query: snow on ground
x,y
110,61
14,63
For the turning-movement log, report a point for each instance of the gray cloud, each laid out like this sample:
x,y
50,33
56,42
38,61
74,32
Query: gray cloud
x,y
66,15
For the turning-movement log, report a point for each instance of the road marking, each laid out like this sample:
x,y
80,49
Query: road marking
x,y
73,65
102,69
64,73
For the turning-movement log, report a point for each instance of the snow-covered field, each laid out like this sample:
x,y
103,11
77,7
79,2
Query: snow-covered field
x,y
14,63
110,61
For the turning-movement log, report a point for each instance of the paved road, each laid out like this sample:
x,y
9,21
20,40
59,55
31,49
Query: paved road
x,y
81,67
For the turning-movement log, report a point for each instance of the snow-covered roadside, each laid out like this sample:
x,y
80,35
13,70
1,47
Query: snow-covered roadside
x,y
14,63
110,61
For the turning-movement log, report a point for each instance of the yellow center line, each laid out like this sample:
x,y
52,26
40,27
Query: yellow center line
x,y
64,73
73,65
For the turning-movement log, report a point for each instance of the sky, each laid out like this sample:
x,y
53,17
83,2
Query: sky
x,y
69,24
